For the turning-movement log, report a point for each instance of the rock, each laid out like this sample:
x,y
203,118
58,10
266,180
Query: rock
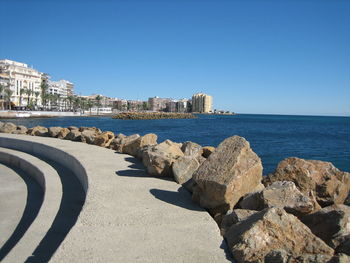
x,y
159,158
280,194
104,139
38,131
332,225
234,217
94,129
207,150
73,135
228,174
328,184
54,131
73,128
20,130
133,147
122,140
88,136
271,229
281,256
184,167
63,133
340,258
114,145
347,201
192,149
8,127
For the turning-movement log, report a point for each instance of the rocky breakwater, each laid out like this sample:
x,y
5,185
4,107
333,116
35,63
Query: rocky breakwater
x,y
153,115
296,214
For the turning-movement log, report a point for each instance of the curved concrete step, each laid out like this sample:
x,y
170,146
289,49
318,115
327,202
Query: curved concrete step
x,y
127,216
30,232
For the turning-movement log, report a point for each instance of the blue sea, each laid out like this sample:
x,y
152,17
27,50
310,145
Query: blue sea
x,y
272,137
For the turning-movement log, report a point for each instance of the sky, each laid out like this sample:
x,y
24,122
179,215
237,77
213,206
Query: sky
x,y
264,57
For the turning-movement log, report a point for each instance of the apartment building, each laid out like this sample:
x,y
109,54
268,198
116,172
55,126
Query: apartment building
x,y
202,103
157,104
22,80
62,88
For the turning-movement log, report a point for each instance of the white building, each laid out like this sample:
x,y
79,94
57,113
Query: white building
x,y
63,88
21,77
202,103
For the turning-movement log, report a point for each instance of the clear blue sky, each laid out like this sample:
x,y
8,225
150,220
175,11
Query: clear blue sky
x,y
284,57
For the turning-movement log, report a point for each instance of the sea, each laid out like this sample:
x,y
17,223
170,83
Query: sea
x,y
272,137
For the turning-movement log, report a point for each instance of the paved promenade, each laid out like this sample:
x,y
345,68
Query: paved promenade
x,y
120,214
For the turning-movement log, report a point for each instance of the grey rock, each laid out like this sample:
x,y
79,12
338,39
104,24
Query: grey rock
x,y
184,167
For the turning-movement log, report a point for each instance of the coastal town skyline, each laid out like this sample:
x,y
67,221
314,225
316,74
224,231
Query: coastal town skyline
x,y
270,57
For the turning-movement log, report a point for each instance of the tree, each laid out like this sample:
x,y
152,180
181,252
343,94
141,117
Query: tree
x,y
1,95
90,104
44,87
98,102
36,93
76,103
8,94
70,99
29,93
83,104
22,91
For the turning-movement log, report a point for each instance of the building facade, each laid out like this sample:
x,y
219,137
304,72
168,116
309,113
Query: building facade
x,y
23,81
158,104
202,103
63,89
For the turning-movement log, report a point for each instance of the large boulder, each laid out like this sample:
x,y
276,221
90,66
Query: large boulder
x,y
280,194
234,217
8,127
273,229
104,139
20,130
94,129
63,133
184,167
74,135
121,140
54,131
38,131
207,151
192,149
159,158
332,225
73,128
133,147
328,184
88,136
282,256
228,174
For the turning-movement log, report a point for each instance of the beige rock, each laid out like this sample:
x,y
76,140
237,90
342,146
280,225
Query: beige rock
x,y
184,167
20,130
73,128
282,256
88,136
104,139
8,127
121,140
133,147
192,149
94,129
273,229
228,174
115,143
282,194
38,131
332,225
234,217
327,183
54,131
207,150
159,158
63,133
73,135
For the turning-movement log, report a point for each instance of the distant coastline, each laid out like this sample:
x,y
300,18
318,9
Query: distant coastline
x,y
153,115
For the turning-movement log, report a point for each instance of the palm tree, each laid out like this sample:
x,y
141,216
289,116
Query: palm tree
x,y
70,99
83,104
65,100
1,96
36,93
22,91
44,87
98,102
29,93
8,94
76,103
90,104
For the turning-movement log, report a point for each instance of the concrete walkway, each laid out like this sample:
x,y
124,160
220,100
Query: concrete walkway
x,y
127,216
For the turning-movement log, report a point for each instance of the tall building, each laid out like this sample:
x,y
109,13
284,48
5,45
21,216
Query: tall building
x,y
21,80
202,103
63,88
